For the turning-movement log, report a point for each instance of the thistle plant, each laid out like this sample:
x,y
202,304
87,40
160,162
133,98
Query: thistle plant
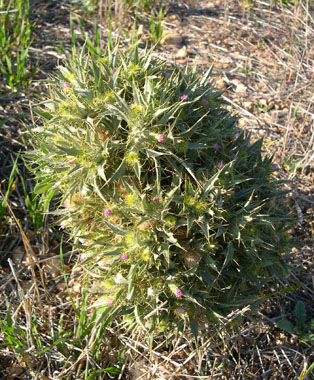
x,y
178,215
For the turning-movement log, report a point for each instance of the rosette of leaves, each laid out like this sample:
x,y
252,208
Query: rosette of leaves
x,y
177,213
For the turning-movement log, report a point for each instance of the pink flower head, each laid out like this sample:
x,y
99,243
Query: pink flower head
x,y
184,97
81,211
178,293
216,146
62,225
155,199
70,163
57,184
180,310
141,286
107,212
276,238
220,164
168,74
212,80
204,101
123,257
83,256
110,302
66,85
160,138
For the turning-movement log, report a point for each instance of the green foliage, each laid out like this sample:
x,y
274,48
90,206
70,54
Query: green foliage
x,y
179,216
15,41
36,206
87,333
304,330
90,7
143,5
10,188
304,375
156,26
284,3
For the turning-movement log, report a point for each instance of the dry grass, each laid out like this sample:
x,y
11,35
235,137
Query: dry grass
x,y
263,56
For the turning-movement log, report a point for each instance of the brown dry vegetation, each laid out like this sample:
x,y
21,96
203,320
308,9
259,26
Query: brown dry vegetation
x,y
263,56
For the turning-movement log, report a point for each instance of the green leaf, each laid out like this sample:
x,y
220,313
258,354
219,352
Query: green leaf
x,y
137,170
194,327
300,315
307,337
85,93
95,373
114,370
229,255
42,187
285,325
210,184
118,173
44,114
310,325
137,317
190,221
210,262
68,150
187,166
307,373
115,229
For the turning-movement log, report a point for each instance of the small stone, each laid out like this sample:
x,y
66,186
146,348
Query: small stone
x,y
220,84
182,53
242,123
248,105
263,102
240,88
172,38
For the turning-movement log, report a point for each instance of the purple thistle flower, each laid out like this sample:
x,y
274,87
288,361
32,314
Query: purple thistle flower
x,y
180,310
168,74
110,302
123,257
178,293
274,166
276,238
220,164
216,146
107,212
160,138
233,156
184,97
204,101
155,199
